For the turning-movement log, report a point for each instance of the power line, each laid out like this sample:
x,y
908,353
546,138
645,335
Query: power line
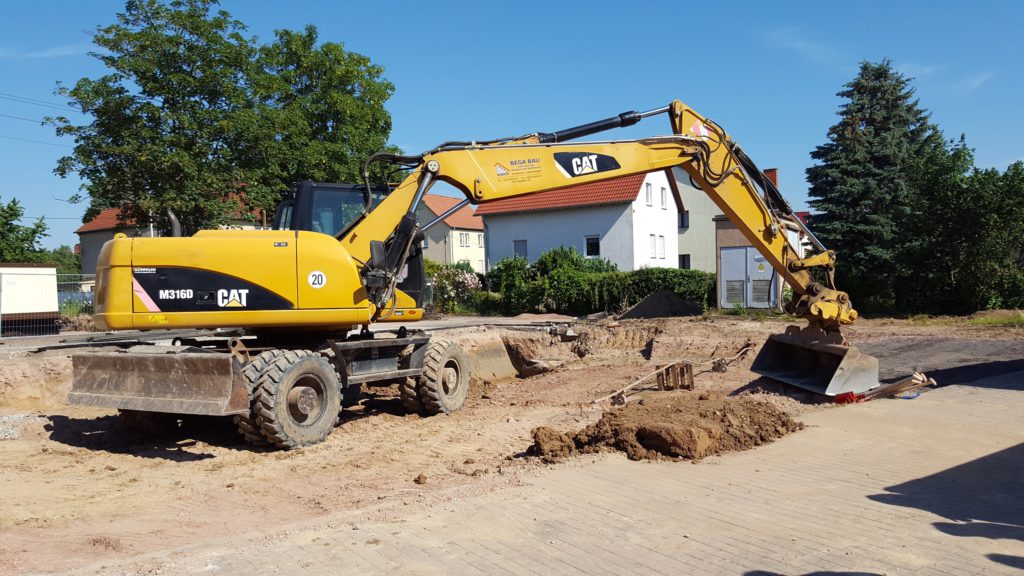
x,y
35,141
36,120
34,101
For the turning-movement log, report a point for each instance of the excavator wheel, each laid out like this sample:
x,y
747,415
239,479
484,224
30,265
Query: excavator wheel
x,y
298,399
444,384
409,391
246,423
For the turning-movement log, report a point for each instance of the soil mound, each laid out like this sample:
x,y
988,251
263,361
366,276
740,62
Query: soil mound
x,y
662,304
678,427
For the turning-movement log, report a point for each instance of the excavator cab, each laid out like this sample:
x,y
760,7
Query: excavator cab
x,y
333,209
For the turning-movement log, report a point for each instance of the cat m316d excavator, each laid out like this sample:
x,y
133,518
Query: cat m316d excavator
x,y
342,257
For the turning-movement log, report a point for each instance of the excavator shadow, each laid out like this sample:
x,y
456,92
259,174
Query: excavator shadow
x,y
373,401
180,439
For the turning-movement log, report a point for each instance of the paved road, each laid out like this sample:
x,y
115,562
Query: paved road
x,y
930,486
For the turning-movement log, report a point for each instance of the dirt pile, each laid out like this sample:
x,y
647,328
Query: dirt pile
x,y
680,426
663,304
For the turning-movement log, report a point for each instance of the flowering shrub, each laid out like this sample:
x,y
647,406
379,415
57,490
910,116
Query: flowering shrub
x,y
454,288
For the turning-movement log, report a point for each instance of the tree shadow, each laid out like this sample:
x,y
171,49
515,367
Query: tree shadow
x,y
997,364
998,374
1007,560
983,498
816,573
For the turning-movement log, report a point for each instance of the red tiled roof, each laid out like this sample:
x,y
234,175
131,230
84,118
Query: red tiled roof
x,y
105,220
615,191
464,218
803,216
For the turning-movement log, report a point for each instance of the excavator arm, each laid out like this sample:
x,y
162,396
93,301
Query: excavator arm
x,y
490,171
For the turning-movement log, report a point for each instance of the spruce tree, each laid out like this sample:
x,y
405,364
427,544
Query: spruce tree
x,y
863,182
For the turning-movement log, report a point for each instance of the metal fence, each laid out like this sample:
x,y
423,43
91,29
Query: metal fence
x,y
39,302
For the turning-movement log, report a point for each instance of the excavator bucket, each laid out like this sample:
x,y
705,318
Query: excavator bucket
x,y
814,364
155,380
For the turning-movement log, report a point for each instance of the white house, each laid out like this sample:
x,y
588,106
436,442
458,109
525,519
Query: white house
x,y
458,238
697,250
632,221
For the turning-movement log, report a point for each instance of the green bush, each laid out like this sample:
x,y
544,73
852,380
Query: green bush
x,y
486,303
571,285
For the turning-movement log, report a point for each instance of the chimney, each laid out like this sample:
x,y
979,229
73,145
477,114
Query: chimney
x,y
773,175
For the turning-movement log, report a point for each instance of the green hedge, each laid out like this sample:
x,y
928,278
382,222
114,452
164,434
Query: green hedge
x,y
576,292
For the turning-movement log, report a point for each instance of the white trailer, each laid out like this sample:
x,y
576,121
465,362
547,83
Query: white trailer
x,y
28,300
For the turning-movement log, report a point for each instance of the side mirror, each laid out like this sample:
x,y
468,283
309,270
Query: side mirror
x,y
378,255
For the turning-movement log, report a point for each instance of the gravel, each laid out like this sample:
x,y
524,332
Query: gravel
x,y
9,425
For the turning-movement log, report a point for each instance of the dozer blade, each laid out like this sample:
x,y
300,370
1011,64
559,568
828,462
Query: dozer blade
x,y
801,359
177,383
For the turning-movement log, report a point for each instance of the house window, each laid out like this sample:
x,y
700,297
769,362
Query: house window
x,y
664,198
480,239
684,219
593,246
519,248
650,195
684,261
464,239
661,247
426,242
480,265
654,246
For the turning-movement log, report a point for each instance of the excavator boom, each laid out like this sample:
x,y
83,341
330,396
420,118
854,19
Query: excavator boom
x,y
815,358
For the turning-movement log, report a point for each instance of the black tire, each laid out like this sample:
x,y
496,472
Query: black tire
x,y
349,394
409,392
444,384
246,423
298,399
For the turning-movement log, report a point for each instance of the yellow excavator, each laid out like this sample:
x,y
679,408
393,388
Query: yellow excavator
x,y
342,257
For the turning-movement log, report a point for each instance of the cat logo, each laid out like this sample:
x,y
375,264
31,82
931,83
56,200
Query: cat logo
x,y
584,164
232,298
573,164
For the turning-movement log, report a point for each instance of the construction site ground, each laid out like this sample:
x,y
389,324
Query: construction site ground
x,y
931,485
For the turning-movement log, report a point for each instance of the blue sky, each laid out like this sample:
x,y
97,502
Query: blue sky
x,y
768,72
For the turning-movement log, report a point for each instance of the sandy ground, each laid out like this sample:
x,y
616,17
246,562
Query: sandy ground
x,y
78,488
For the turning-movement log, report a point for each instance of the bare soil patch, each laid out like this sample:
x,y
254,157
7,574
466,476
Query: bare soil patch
x,y
78,489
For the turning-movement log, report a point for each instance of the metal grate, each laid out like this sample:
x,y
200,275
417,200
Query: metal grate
x,y
761,291
734,292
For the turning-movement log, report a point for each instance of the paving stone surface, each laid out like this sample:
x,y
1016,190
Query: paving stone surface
x,y
930,486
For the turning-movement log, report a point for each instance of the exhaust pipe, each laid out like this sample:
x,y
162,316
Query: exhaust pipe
x,y
175,224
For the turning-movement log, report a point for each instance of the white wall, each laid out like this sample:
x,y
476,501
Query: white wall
x,y
699,239
473,253
552,229
659,219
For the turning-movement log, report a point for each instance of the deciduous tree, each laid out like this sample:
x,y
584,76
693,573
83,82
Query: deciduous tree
x,y
19,243
195,115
